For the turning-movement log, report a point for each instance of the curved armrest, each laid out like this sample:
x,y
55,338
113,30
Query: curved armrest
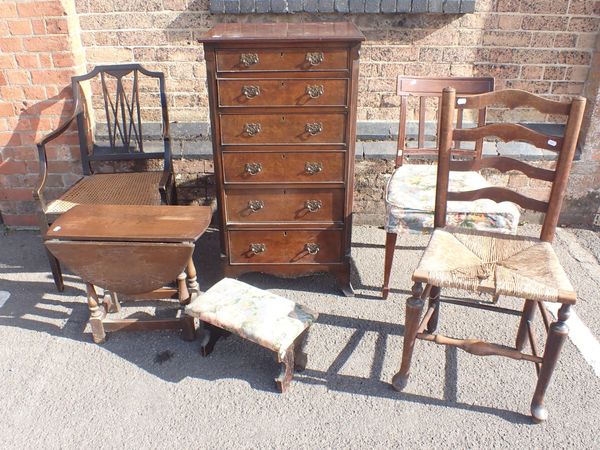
x,y
43,159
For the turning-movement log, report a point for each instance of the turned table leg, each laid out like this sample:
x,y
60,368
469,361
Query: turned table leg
x,y
96,315
192,278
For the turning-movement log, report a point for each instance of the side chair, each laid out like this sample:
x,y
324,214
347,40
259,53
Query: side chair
x,y
492,263
120,101
410,193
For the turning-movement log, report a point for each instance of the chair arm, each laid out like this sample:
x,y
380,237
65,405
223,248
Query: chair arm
x,y
43,159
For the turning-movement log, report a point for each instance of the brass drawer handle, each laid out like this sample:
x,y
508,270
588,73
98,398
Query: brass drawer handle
x,y
251,91
312,168
249,59
315,91
256,205
253,168
313,205
257,248
315,58
312,248
313,128
252,129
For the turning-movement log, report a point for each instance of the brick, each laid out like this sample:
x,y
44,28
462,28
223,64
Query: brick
x,y
419,6
566,40
27,61
217,6
357,6
46,44
342,6
16,77
16,194
326,6
372,6
545,23
507,38
56,76
278,6
20,27
10,45
584,24
543,40
575,58
451,6
510,22
435,6
11,93
262,6
467,6
57,26
388,6
311,6
38,26
232,6
554,73
9,9
13,167
7,62
544,7
40,9
532,72
246,6
6,109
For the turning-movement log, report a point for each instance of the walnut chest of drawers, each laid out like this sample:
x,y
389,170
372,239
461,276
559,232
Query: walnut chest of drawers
x,y
283,122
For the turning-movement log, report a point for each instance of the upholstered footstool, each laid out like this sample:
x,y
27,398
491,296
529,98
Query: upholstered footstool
x,y
269,320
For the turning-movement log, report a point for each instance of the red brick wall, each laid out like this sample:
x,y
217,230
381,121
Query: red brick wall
x,y
39,52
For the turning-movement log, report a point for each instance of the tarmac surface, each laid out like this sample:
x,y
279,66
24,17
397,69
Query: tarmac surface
x,y
153,390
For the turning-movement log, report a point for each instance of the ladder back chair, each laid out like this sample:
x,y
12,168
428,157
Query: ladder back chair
x,y
410,193
491,263
126,149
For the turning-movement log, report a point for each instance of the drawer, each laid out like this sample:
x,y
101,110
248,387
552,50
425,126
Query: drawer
x,y
284,205
254,60
283,167
303,92
292,246
252,129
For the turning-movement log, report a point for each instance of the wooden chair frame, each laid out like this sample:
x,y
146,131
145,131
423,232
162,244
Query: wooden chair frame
x,y
124,129
565,147
424,88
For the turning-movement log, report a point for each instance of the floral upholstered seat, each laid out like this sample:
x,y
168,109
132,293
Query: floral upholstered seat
x,y
410,203
260,316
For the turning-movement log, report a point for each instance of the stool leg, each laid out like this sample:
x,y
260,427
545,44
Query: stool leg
x,y
390,246
192,279
188,328
556,338
300,357
96,315
414,306
210,336
287,370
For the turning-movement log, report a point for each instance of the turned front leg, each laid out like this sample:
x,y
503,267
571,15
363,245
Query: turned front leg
x,y
287,370
559,330
414,307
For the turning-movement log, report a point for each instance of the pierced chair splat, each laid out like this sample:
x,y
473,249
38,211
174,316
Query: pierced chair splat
x,y
492,263
124,145
410,192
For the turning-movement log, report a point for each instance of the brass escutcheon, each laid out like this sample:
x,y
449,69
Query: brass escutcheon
x,y
248,59
315,58
251,91
252,129
312,248
258,248
253,168
313,205
315,91
313,167
256,205
313,128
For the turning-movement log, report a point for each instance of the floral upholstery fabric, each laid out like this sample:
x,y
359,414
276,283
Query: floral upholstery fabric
x,y
254,314
410,203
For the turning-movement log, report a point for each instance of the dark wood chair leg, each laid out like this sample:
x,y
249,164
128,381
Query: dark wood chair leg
x,y
210,336
287,370
390,246
558,332
96,315
56,271
434,300
526,317
414,307
184,294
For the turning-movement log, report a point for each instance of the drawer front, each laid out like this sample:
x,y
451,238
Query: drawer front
x,y
307,92
284,205
276,246
252,129
283,167
255,60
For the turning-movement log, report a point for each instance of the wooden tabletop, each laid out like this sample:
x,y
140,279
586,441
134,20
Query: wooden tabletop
x,y
321,31
131,223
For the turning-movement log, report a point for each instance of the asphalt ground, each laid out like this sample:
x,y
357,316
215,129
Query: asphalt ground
x,y
153,390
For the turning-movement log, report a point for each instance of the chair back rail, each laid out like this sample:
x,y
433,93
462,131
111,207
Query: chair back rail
x,y
122,108
564,146
431,87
